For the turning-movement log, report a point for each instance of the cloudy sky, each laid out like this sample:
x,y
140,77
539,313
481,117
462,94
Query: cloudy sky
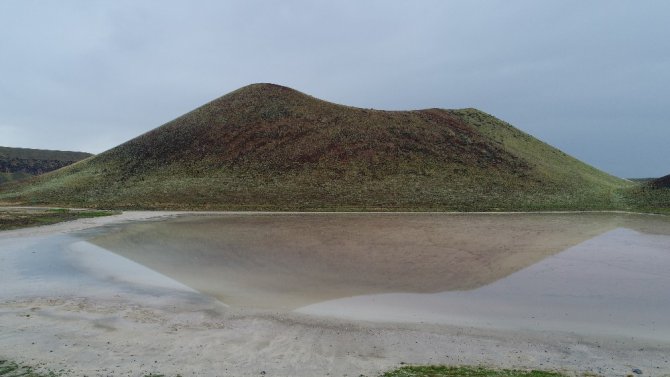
x,y
589,77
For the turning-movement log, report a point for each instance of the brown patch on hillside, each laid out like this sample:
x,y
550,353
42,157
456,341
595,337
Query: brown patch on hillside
x,y
265,125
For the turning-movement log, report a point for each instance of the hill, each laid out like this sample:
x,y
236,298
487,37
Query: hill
x,y
650,195
663,182
268,147
20,163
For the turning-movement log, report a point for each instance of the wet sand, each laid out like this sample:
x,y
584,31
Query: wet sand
x,y
67,302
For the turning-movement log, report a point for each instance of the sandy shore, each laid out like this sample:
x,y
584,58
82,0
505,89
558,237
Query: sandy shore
x,y
111,316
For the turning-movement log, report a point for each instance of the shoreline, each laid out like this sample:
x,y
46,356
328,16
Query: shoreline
x,y
142,215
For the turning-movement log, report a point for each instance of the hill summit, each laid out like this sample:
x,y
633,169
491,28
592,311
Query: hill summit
x,y
269,147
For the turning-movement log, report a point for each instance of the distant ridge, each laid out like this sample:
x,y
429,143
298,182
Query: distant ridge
x,y
663,182
20,163
269,147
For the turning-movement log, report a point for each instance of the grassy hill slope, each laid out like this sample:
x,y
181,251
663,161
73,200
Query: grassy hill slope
x,y
652,195
268,147
21,163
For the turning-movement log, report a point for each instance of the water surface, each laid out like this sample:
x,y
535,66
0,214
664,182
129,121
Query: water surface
x,y
286,261
614,284
578,282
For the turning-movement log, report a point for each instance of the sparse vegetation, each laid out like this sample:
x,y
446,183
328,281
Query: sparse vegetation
x,y
12,369
21,218
451,371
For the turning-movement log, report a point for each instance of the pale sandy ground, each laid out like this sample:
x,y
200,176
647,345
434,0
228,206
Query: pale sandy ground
x,y
115,317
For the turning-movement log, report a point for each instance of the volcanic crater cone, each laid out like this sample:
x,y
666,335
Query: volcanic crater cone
x,y
270,147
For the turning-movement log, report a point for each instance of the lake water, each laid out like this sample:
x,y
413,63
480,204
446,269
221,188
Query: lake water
x,y
604,274
616,283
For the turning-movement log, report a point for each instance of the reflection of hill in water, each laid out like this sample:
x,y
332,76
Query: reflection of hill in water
x,y
291,260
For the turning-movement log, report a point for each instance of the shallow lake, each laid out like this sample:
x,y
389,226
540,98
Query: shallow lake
x,y
596,273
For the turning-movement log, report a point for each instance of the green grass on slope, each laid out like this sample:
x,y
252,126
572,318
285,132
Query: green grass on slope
x,y
23,218
646,199
9,177
448,371
549,161
571,174
234,189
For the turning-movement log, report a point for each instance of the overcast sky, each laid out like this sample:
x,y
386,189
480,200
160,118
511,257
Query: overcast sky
x,y
589,77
